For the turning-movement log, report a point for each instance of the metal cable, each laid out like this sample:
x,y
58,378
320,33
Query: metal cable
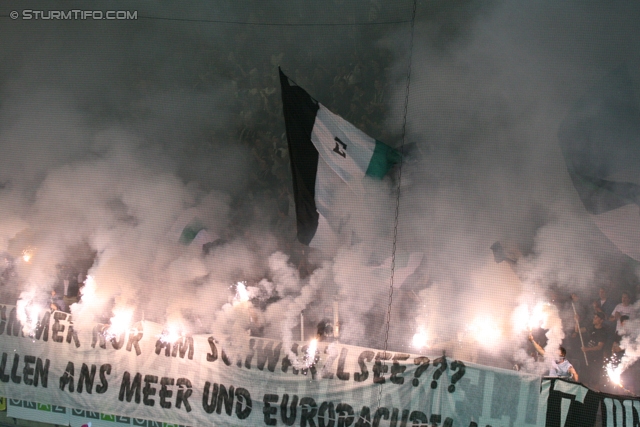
x,y
395,224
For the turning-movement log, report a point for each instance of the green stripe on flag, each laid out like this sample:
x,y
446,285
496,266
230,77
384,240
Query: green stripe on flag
x,y
191,231
383,159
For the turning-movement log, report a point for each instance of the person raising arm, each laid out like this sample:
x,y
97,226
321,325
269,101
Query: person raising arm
x,y
560,366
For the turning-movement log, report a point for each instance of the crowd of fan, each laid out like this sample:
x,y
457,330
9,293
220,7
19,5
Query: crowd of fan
x,y
67,289
594,337
357,89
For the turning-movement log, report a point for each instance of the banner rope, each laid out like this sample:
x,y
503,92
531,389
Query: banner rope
x,y
397,212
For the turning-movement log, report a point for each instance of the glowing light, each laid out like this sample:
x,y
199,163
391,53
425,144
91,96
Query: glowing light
x,y
27,254
119,322
310,358
485,330
420,339
242,294
171,334
614,373
33,318
539,316
524,319
29,314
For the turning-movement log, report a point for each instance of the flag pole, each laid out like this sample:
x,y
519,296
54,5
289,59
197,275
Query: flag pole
x,y
579,332
336,320
301,326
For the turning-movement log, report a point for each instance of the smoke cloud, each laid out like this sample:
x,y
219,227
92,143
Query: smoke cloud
x,y
116,135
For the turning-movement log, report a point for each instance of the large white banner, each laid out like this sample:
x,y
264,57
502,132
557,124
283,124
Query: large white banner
x,y
208,380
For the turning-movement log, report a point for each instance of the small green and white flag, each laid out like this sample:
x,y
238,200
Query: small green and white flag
x,y
189,230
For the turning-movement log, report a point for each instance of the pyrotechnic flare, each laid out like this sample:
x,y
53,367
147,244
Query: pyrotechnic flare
x,y
119,323
27,312
485,331
242,295
522,318
27,254
171,334
614,372
538,317
420,339
310,358
541,316
31,313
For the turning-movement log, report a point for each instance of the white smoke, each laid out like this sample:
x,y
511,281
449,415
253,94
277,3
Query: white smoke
x,y
110,163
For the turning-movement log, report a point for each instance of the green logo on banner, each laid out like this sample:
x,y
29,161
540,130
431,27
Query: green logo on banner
x,y
44,407
169,425
107,417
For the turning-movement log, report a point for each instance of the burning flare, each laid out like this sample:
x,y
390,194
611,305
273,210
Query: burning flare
x,y
29,315
310,357
524,319
171,334
27,254
614,372
485,331
242,295
420,339
119,322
